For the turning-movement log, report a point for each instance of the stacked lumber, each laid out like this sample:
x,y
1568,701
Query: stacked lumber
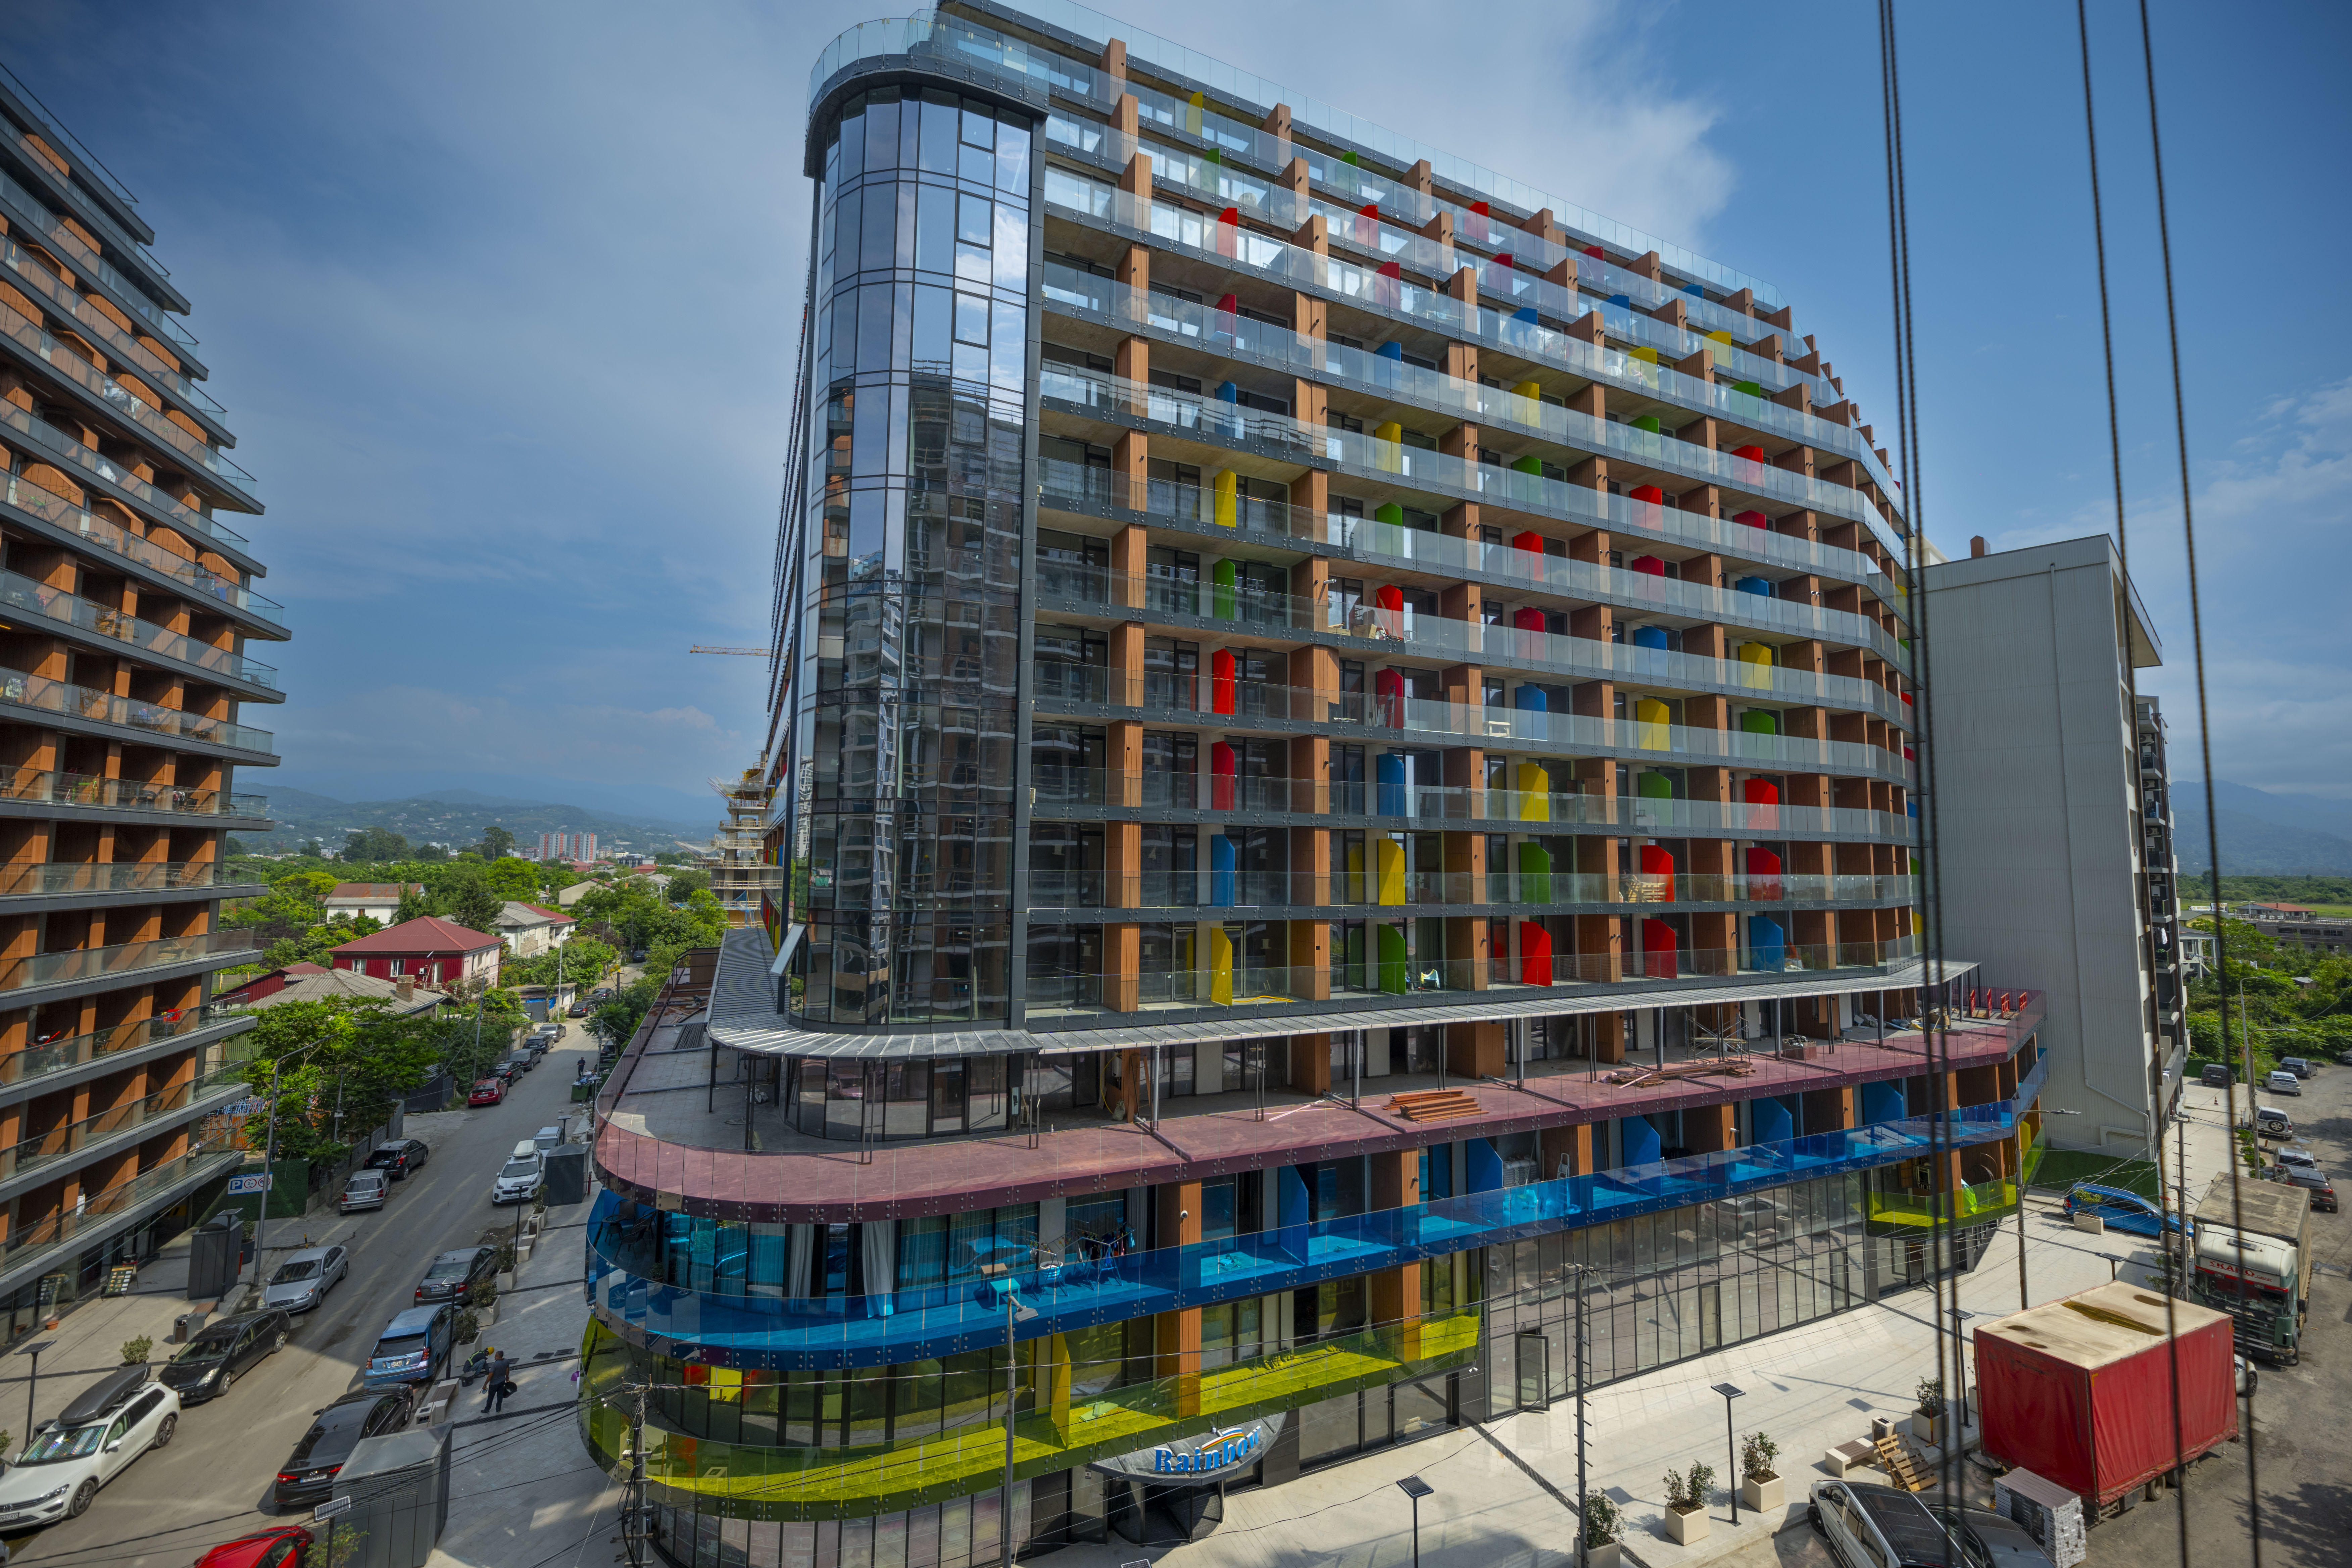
x,y
1433,1105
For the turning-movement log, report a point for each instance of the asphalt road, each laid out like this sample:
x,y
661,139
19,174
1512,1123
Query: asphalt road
x,y
212,1484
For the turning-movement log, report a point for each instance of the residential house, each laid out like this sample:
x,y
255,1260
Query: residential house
x,y
377,900
437,951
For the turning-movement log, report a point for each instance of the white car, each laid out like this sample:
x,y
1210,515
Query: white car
x,y
520,1180
2296,1157
109,1424
303,1281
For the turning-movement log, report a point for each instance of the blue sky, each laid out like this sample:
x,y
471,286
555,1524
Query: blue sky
x,y
503,302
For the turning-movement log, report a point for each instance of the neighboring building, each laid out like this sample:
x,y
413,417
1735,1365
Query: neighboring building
x,y
567,897
1235,686
743,878
567,846
629,859
126,658
438,953
2294,926
400,998
530,930
2196,953
2163,951
2054,818
377,900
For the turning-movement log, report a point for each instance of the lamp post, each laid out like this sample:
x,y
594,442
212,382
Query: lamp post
x,y
32,1383
1730,1446
1416,1489
1014,1314
1960,1368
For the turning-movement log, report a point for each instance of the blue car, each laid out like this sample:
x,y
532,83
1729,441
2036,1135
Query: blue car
x,y
2124,1211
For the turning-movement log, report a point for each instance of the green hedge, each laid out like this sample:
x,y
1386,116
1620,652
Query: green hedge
x,y
2061,1168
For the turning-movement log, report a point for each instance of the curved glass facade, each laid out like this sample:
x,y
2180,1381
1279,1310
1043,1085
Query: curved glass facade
x,y
908,716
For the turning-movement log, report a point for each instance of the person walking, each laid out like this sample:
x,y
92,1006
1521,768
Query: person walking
x,y
496,1384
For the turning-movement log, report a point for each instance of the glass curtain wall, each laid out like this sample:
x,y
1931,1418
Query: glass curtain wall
x,y
909,690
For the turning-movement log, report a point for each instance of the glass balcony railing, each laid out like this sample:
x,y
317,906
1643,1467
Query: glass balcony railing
x,y
40,693
70,1138
121,290
96,962
208,1154
98,534
1228,424
1278,347
626,1266
119,877
1977,1200
1523,809
112,395
48,788
51,290
59,1053
37,599
1366,884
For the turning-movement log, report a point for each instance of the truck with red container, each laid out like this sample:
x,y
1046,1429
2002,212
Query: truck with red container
x,y
2081,1391
2253,1262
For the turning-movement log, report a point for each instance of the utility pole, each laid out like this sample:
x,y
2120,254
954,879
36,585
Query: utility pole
x,y
476,1061
633,1491
268,1175
1584,1543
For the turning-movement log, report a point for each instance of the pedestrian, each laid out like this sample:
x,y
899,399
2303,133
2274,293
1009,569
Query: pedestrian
x,y
496,1385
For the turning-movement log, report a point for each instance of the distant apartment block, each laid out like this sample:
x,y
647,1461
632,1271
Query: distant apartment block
x,y
567,846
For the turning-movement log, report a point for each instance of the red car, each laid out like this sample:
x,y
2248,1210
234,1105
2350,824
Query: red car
x,y
489,1091
287,1546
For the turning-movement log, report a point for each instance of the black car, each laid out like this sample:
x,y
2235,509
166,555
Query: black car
x,y
220,1352
456,1272
310,1472
577,1010
509,1068
398,1157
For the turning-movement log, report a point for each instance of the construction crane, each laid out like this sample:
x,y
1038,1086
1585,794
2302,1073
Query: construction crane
x,y
741,652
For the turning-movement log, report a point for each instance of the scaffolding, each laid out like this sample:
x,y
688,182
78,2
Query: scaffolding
x,y
740,873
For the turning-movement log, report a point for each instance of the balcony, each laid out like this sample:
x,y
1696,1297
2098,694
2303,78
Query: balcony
x,y
89,791
42,284
90,530
68,1139
626,1269
129,959
1366,887
43,695
130,297
52,879
208,1156
44,1058
33,600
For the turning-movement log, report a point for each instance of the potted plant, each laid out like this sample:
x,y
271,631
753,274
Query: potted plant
x,y
484,1299
1686,1503
1927,1422
1759,1483
137,1350
1602,1523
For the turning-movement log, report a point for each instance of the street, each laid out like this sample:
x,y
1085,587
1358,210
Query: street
x,y
212,1484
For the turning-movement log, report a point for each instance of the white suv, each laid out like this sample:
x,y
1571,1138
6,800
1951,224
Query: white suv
x,y
111,1424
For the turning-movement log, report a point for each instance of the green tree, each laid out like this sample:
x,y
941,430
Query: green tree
x,y
471,902
512,879
415,903
317,943
435,852
685,884
375,842
497,842
583,961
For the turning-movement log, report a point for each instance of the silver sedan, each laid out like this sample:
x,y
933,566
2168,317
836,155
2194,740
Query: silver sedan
x,y
303,1281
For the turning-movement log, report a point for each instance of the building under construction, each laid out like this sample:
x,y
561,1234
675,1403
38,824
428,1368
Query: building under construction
x,y
741,874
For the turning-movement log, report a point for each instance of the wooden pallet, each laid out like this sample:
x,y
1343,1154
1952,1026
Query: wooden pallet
x,y
1435,1105
1650,1077
1896,1460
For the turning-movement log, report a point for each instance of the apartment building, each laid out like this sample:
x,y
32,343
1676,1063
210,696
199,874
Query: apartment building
x,y
124,667
744,877
565,846
2054,820
1346,750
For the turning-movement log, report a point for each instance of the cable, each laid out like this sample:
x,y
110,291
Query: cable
x,y
2204,743
2131,680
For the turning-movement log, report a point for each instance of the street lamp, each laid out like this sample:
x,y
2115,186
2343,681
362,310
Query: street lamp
x,y
1416,1489
1730,1446
33,1350
1014,1314
1960,1365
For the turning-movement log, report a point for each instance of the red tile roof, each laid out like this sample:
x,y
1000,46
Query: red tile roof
x,y
374,890
557,914
427,933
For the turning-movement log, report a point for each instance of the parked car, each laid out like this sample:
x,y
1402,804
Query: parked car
x,y
2302,1067
362,1190
2312,1180
456,1272
2296,1157
1986,1538
309,1473
287,1546
2282,1082
110,1424
522,1178
303,1281
2270,1122
398,1157
547,1138
413,1347
222,1352
2246,1374
509,1068
2120,1209
577,1010
489,1091
2217,1075
1871,1526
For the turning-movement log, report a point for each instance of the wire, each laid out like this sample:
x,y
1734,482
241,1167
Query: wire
x,y
2204,743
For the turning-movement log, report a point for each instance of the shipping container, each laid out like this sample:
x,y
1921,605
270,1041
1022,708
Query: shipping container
x,y
2080,1391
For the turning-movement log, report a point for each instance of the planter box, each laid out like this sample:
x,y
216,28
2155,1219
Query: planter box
x,y
1684,1528
2092,1222
1762,1496
1931,1431
1607,1554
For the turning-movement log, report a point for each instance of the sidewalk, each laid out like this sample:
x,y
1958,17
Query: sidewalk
x,y
523,1489
1505,1492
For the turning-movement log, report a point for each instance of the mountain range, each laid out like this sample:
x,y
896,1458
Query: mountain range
x,y
2262,833
459,816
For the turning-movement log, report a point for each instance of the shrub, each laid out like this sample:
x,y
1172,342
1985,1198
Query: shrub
x,y
484,1293
1931,1397
1602,1519
506,1258
136,1350
464,1329
1689,1489
1757,1452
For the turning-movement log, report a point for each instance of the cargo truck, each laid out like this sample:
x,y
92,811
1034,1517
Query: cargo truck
x,y
2080,1391
2253,1262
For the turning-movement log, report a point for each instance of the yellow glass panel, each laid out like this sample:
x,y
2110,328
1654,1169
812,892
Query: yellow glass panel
x,y
1650,722
1755,661
1530,390
1392,871
1227,492
1392,436
1221,967
1535,793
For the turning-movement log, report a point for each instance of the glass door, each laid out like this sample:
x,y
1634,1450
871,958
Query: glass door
x,y
1534,1348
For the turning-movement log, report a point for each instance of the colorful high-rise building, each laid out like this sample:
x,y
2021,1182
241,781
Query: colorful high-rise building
x,y
124,669
1344,759
567,845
